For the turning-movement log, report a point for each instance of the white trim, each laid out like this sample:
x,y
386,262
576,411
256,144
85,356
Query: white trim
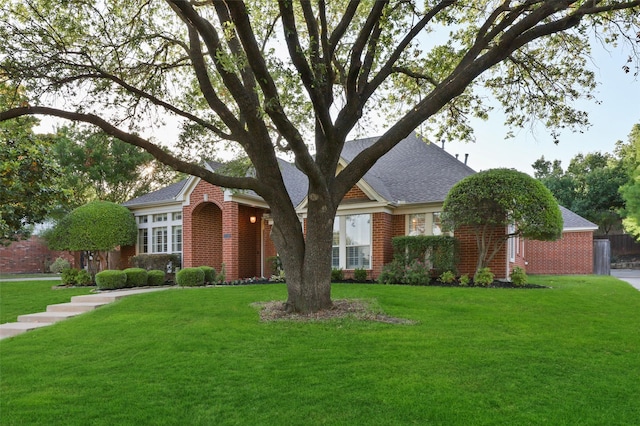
x,y
585,229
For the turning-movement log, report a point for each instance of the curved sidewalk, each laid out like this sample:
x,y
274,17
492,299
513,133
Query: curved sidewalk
x,y
62,311
632,276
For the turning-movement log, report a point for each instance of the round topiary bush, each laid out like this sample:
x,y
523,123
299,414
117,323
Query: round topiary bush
x,y
190,277
136,277
155,277
111,279
209,274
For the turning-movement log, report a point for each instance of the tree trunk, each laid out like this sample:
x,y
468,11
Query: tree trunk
x,y
306,259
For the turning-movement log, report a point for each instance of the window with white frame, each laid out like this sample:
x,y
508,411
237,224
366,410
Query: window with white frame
x,y
436,224
425,224
176,239
159,243
176,216
417,224
352,242
512,244
162,217
143,240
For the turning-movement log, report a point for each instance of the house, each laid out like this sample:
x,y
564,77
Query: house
x,y
402,194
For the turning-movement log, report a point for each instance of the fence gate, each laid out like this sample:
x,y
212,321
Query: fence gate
x,y
601,257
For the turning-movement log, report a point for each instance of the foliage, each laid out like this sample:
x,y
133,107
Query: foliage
x,y
278,278
190,277
392,273
111,279
222,275
155,261
59,265
589,187
464,280
222,70
30,181
100,167
447,277
416,273
275,264
631,191
155,277
337,274
441,253
136,277
518,276
360,275
209,274
483,277
68,276
490,201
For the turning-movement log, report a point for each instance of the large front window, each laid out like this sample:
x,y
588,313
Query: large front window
x,y
160,240
176,239
143,240
352,242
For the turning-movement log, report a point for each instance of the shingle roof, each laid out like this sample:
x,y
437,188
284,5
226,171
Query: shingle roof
x,y
414,171
575,221
163,195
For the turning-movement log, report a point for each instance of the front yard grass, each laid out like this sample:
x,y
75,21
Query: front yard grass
x,y
569,355
29,297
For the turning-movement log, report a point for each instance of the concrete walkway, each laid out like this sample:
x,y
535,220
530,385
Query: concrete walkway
x,y
59,312
632,276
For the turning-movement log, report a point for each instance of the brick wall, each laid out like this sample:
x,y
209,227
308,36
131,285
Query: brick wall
x,y
355,193
469,253
382,250
30,256
572,254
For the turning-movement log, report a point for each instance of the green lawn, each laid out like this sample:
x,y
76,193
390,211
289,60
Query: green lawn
x,y
29,297
569,355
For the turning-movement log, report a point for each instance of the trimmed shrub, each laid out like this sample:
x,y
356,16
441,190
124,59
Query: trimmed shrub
x,y
337,274
360,275
155,277
209,274
111,279
155,261
59,265
392,273
483,277
83,278
69,276
465,280
416,273
136,277
190,277
518,276
438,253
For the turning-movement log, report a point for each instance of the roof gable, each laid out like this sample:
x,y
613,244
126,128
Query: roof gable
x,y
575,222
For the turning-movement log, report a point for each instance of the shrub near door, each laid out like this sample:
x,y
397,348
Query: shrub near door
x,y
190,277
111,280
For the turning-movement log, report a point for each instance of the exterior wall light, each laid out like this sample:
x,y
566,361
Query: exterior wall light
x,y
252,219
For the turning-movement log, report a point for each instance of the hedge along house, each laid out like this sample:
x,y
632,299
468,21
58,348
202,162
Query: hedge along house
x,y
402,194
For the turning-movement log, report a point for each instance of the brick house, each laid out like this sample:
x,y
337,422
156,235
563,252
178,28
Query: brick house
x,y
402,194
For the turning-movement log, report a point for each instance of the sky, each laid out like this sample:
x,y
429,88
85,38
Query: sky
x,y
611,121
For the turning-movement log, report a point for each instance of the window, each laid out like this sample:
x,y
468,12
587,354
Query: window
x,y
160,240
352,242
417,224
143,219
176,239
161,217
143,241
436,226
176,216
512,243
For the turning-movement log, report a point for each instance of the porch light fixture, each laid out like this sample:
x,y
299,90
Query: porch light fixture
x,y
252,219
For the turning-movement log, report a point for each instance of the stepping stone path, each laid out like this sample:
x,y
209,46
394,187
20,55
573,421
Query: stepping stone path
x,y
59,312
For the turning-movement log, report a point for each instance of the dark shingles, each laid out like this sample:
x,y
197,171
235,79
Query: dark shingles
x,y
163,195
575,221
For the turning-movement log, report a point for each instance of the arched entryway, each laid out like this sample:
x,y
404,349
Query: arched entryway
x,y
206,237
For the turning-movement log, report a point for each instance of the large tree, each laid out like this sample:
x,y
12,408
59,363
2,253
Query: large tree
x,y
631,191
502,199
300,77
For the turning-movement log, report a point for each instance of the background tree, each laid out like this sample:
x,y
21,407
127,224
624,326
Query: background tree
x,y
301,77
30,181
589,187
100,167
501,198
631,191
95,229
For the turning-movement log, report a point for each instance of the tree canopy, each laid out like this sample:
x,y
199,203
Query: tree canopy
x,y
501,198
300,77
631,191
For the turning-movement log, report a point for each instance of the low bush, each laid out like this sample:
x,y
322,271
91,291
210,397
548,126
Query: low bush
x,y
83,278
68,276
360,275
464,280
209,274
155,277
111,279
417,273
392,273
518,276
483,277
337,274
136,277
447,277
59,265
190,277
222,275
